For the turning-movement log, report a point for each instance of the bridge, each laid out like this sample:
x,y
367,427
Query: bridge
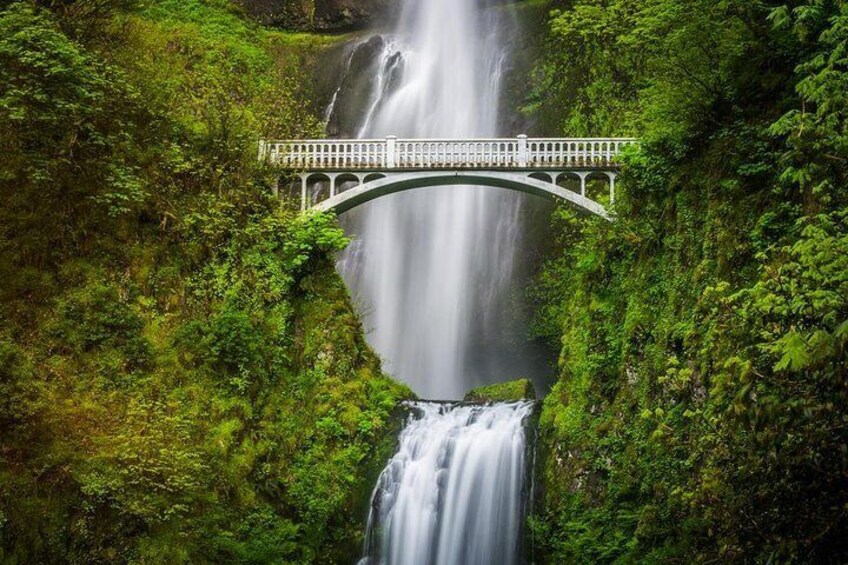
x,y
355,171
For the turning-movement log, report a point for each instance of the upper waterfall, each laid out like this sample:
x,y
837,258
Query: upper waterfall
x,y
434,268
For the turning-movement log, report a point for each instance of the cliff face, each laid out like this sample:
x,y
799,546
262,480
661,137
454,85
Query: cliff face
x,y
315,15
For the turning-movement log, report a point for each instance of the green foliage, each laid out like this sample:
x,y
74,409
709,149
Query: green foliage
x,y
700,411
182,376
521,389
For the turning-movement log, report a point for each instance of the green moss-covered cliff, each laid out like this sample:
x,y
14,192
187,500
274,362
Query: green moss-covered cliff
x,y
700,413
182,375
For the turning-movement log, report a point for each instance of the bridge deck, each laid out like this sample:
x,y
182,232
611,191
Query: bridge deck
x,y
519,153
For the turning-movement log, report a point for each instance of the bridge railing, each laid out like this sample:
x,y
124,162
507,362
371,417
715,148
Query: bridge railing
x,y
414,154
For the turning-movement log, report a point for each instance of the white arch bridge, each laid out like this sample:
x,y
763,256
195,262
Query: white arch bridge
x,y
358,170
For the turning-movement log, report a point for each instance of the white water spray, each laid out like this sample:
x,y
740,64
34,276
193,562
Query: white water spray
x,y
434,266
453,493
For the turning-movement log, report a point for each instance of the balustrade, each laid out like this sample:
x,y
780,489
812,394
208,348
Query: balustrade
x,y
421,154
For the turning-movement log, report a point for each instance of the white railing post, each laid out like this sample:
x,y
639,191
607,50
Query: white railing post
x,y
522,150
261,149
391,146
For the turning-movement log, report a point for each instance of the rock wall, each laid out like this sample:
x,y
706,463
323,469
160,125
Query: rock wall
x,y
316,15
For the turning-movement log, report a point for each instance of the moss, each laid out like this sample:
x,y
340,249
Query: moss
x,y
521,389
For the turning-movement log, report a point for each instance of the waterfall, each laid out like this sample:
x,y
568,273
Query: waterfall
x,y
453,493
434,267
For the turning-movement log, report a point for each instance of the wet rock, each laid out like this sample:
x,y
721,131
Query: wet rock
x,y
316,15
356,88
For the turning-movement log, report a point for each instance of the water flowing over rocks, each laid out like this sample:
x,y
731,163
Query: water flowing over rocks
x,y
455,492
437,270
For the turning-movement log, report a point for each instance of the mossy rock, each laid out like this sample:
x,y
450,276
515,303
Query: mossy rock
x,y
521,389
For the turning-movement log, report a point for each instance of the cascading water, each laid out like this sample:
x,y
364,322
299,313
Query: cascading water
x,y
434,267
454,492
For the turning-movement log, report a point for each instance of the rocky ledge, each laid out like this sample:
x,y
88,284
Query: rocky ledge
x,y
503,392
316,15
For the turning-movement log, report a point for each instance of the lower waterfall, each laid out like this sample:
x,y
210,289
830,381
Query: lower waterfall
x,y
454,493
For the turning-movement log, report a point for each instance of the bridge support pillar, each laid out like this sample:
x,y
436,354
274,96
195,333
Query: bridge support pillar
x,y
333,177
582,176
612,187
303,186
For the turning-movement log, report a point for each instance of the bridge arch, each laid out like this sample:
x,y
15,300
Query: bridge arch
x,y
398,182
